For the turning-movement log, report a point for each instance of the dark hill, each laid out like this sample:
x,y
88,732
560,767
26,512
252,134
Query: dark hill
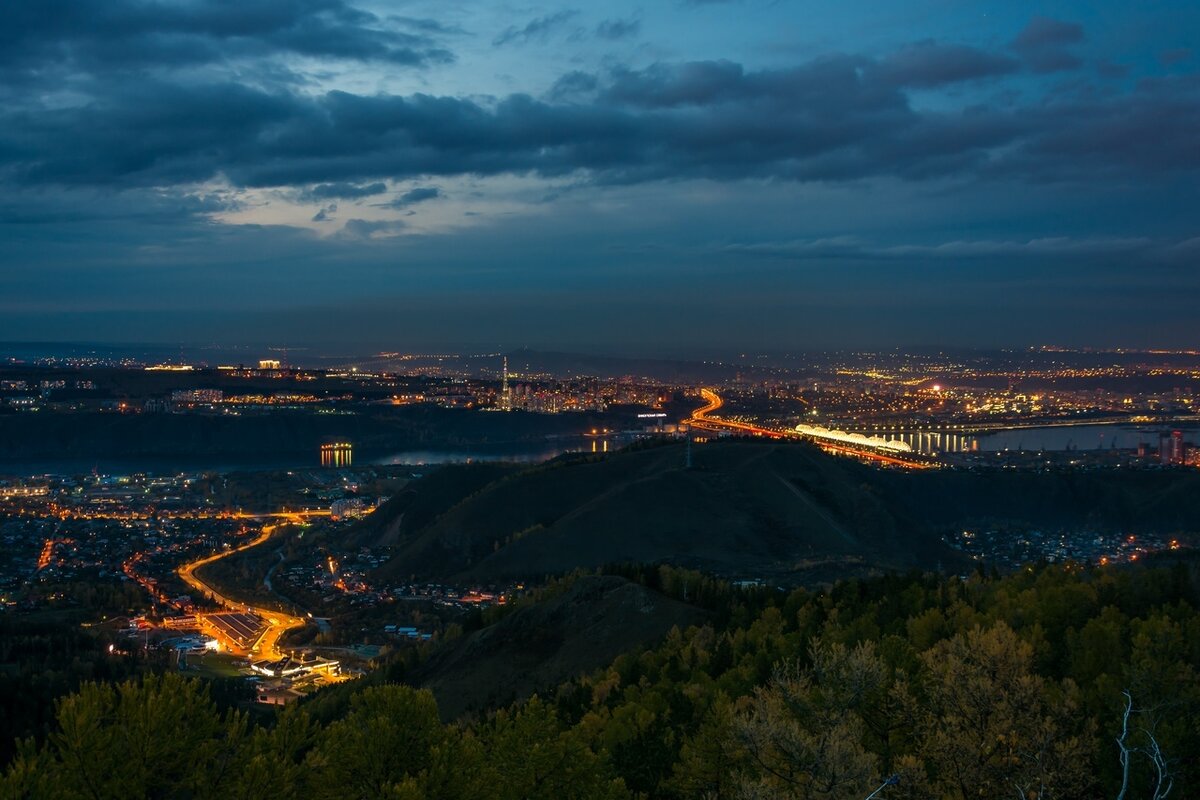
x,y
746,508
1159,501
414,508
784,511
542,645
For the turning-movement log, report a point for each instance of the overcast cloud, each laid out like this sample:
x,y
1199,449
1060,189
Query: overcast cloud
x,y
753,150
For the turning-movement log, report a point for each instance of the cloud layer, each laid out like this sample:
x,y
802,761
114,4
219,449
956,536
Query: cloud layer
x,y
832,118
153,130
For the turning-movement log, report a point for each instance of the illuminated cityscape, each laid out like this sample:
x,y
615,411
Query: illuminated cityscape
x,y
716,399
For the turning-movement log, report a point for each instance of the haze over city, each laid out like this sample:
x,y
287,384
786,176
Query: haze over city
x,y
638,177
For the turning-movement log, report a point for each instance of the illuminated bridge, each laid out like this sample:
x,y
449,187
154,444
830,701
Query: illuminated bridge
x,y
876,449
824,434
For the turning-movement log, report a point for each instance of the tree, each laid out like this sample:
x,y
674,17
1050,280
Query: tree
x,y
803,733
529,757
1163,780
990,727
709,759
159,738
274,761
392,745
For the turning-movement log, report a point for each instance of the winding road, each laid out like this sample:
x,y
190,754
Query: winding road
x,y
278,623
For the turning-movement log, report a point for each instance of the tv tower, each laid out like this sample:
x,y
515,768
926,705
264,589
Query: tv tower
x,y
505,392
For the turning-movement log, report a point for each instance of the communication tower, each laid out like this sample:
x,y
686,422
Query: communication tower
x,y
505,391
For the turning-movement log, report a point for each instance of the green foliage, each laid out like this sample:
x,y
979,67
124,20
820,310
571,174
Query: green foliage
x,y
44,660
531,757
391,744
964,688
162,737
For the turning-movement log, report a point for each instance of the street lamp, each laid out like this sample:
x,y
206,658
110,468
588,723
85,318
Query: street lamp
x,y
892,781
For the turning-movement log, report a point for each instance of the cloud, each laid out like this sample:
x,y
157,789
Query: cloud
x,y
1046,32
1104,138
1175,56
538,29
420,194
427,25
689,84
929,64
1042,44
835,118
344,191
575,85
614,29
42,42
366,229
156,152
850,247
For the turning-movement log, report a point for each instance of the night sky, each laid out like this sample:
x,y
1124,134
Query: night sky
x,y
661,177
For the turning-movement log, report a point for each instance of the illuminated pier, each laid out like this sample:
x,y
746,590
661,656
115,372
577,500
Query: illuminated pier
x,y
337,454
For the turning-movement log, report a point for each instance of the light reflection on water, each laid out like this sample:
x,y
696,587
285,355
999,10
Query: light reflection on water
x,y
525,453
337,454
1048,438
531,453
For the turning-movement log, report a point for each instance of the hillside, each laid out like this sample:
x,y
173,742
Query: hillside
x,y
1109,500
745,509
412,509
540,646
947,668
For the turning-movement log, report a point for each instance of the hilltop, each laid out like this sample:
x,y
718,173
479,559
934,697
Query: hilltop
x,y
745,509
782,511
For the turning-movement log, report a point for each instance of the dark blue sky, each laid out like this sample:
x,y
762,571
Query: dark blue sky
x,y
660,176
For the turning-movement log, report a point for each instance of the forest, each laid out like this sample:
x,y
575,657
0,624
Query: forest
x,y
1058,681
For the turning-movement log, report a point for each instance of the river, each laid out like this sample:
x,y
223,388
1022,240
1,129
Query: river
x,y
1045,438
531,452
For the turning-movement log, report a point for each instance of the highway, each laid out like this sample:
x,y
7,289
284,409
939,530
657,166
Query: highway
x,y
702,419
277,623
53,510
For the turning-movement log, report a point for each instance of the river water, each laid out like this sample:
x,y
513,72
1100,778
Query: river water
x,y
532,452
1047,438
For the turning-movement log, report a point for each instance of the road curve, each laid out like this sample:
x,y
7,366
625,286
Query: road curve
x,y
277,623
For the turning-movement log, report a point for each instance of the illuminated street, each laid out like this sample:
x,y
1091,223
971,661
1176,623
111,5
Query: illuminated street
x,y
277,622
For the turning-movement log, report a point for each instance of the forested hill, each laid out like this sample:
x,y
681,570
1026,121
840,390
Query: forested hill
x,y
782,511
743,508
990,687
1158,501
587,624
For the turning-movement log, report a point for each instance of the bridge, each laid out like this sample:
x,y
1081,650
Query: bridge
x,y
702,419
